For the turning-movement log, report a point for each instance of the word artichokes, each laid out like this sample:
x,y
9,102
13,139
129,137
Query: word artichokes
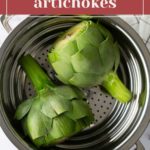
x,y
55,113
86,55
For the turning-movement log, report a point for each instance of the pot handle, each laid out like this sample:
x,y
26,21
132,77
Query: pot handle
x,y
139,146
5,22
9,22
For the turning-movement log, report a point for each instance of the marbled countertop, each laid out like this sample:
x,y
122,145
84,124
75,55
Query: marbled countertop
x,y
140,23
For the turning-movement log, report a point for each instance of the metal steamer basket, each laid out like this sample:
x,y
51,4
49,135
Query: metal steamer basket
x,y
117,126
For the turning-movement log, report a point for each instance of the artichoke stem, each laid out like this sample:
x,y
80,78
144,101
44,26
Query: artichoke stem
x,y
33,70
116,88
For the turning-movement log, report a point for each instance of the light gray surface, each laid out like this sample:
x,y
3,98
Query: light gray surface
x,y
140,23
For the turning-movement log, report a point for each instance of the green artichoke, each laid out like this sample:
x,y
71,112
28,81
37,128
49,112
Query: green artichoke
x,y
55,113
86,55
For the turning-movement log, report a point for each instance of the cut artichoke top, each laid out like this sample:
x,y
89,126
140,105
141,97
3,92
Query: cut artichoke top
x,y
84,54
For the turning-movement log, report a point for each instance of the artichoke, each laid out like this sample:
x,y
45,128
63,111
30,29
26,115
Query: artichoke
x,y
55,113
87,55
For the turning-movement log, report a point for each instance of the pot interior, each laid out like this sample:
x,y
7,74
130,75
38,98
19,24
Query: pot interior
x,y
115,123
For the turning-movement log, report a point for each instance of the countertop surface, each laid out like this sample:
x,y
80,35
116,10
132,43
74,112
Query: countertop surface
x,y
142,26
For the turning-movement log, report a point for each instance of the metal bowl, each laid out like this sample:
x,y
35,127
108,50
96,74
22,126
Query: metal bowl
x,y
116,126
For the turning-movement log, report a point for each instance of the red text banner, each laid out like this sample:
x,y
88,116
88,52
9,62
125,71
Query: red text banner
x,y
106,7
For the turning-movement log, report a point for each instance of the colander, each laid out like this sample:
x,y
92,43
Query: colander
x,y
117,126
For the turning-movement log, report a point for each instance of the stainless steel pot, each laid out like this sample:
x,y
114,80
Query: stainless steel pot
x,y
117,126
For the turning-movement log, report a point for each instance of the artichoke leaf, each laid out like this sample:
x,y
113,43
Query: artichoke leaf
x,y
67,50
23,109
80,94
91,79
55,105
70,35
64,53
117,56
53,56
80,124
79,110
106,34
38,124
64,80
62,127
87,61
66,92
91,36
88,120
60,105
60,70
40,141
47,110
106,53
